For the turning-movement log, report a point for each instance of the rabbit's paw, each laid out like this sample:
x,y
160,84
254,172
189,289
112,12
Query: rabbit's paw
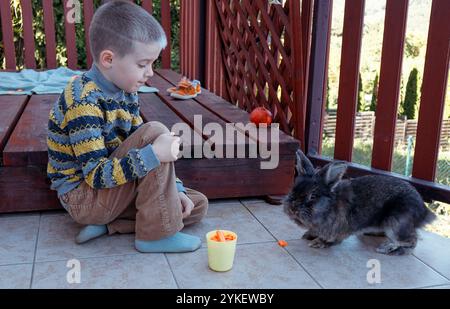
x,y
391,248
319,243
309,235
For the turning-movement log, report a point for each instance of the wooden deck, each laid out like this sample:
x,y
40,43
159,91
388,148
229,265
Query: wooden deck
x,y
23,130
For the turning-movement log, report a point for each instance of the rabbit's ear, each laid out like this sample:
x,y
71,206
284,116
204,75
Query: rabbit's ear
x,y
333,172
303,166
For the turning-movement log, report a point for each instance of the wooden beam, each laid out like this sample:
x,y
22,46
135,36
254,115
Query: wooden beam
x,y
348,80
433,92
8,35
389,87
318,75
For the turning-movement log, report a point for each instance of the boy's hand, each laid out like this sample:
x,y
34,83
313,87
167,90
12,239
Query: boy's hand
x,y
167,147
186,204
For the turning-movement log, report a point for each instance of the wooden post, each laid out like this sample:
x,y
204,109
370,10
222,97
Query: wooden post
x,y
8,35
28,34
71,47
318,75
348,80
388,91
166,24
433,92
193,39
298,71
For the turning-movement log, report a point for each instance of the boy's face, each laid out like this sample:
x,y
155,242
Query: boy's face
x,y
131,72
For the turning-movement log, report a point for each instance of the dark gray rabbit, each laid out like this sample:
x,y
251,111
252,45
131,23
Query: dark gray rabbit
x,y
332,208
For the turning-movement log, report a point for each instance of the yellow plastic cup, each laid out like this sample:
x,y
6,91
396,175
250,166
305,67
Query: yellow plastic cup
x,y
221,254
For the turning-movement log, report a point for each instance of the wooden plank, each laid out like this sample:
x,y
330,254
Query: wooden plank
x,y
231,113
28,34
298,69
153,109
88,10
215,71
201,41
69,28
28,142
166,24
233,178
320,46
26,189
188,41
348,80
50,39
187,110
209,81
12,107
182,37
389,87
433,92
148,5
306,18
8,35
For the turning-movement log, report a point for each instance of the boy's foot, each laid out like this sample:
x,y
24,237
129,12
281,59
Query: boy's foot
x,y
90,232
179,242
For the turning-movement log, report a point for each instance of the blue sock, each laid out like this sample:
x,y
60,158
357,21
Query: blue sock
x,y
90,232
179,242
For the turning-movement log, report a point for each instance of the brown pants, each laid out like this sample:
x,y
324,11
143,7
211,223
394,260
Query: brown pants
x,y
149,206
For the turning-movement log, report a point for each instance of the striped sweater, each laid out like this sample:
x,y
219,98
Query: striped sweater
x,y
90,119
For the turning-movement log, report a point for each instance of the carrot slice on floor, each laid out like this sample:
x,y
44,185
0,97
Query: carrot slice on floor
x,y
282,243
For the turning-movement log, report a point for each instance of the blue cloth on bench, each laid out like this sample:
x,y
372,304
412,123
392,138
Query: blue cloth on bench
x,y
42,82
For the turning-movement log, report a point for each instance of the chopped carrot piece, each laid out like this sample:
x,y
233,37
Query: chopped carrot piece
x,y
282,243
220,235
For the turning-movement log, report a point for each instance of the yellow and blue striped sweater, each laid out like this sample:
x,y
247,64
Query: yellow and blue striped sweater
x,y
90,119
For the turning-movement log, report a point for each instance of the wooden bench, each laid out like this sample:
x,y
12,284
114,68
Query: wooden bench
x,y
24,185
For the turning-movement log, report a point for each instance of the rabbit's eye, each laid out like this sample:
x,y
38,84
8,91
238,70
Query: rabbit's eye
x,y
303,195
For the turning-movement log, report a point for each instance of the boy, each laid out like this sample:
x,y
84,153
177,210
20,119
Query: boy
x,y
112,172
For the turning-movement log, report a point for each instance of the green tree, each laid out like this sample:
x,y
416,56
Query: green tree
x,y
402,95
373,103
327,103
411,95
360,106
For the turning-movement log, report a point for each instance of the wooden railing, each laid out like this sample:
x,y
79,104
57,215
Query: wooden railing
x,y
432,100
69,29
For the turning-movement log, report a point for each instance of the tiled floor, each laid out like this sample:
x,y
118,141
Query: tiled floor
x,y
38,251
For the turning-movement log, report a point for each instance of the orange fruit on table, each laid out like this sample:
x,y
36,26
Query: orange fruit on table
x,y
261,115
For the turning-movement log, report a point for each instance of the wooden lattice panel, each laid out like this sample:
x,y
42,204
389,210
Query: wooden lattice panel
x,y
262,57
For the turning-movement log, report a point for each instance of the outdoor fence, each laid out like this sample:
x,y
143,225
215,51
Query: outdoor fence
x,y
365,126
